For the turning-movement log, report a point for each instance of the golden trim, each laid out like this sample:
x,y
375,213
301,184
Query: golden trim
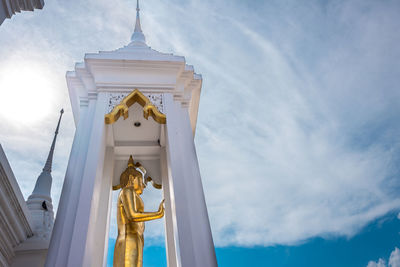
x,y
155,185
135,97
116,187
137,165
148,179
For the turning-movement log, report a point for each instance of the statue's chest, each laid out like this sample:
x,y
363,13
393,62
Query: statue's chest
x,y
139,204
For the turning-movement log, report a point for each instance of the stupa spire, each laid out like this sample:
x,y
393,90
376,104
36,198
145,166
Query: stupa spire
x,y
138,36
43,183
49,161
39,202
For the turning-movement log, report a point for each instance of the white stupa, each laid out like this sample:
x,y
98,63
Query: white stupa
x,y
39,202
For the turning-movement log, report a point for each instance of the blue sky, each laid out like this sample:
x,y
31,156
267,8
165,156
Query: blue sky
x,y
376,241
298,129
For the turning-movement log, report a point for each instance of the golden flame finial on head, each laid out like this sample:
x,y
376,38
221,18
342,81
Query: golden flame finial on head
x,y
130,173
137,171
130,161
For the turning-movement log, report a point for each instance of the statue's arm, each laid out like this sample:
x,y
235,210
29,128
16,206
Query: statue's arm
x,y
149,216
152,215
128,201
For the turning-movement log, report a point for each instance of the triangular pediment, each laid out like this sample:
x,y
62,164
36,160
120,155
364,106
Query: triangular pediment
x,y
122,109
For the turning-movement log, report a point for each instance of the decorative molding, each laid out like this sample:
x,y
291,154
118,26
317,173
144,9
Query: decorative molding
x,y
10,7
114,99
14,224
119,104
84,101
13,195
157,99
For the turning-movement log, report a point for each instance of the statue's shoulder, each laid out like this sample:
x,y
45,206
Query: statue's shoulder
x,y
126,190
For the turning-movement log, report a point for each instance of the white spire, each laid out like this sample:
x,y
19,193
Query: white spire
x,y
43,183
138,36
39,202
49,161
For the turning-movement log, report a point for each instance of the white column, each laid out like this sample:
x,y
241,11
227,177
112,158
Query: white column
x,y
97,238
69,238
66,213
93,171
196,247
170,239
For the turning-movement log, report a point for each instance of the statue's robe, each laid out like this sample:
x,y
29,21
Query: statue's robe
x,y
128,251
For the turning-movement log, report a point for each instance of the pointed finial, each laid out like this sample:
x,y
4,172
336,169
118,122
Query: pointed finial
x,y
130,161
49,161
43,183
138,36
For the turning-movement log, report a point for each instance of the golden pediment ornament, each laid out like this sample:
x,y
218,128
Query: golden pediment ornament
x,y
122,109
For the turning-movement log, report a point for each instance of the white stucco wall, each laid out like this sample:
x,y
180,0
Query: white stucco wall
x,y
9,7
15,221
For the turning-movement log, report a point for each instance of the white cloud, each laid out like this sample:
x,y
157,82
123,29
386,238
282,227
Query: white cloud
x,y
295,151
297,130
394,260
380,263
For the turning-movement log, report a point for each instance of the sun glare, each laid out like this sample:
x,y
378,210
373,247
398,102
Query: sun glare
x,y
26,93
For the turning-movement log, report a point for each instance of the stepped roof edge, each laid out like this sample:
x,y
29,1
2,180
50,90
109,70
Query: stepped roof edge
x,y
134,53
129,68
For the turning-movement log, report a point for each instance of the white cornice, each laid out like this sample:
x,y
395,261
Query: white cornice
x,y
133,67
15,220
10,7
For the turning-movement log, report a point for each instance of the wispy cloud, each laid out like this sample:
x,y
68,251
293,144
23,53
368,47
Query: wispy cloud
x,y
298,134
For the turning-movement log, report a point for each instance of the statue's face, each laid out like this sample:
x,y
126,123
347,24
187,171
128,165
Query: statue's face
x,y
138,186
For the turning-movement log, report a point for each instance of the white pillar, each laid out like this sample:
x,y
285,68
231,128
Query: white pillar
x,y
72,228
92,172
97,242
64,223
196,247
170,238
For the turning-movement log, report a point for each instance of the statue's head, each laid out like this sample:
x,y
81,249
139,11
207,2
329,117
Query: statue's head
x,y
133,176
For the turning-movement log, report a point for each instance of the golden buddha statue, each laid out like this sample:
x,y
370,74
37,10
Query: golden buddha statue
x,y
128,251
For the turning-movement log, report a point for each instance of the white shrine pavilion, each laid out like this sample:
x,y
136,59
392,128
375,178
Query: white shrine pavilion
x,y
131,101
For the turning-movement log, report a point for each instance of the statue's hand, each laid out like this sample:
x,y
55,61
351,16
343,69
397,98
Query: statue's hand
x,y
161,207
